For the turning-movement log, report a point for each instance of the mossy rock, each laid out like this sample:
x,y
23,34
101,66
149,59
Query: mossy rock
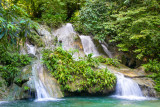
x,y
24,76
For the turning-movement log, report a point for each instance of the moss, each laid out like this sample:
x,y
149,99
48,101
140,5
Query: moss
x,y
78,76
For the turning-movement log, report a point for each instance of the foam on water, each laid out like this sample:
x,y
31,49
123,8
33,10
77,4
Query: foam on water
x,y
47,99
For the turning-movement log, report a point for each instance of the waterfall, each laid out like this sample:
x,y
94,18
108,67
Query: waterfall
x,y
67,39
106,50
127,88
40,89
45,85
66,35
31,49
88,45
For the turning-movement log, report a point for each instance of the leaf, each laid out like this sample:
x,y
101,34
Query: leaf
x,y
2,19
2,34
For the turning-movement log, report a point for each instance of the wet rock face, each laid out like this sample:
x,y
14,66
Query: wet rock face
x,y
18,89
147,86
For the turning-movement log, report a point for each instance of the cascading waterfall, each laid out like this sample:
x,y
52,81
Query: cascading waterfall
x,y
66,35
88,45
46,87
31,49
127,88
67,39
106,50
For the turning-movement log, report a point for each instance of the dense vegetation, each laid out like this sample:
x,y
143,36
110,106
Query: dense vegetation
x,y
50,12
80,73
11,63
133,25
14,28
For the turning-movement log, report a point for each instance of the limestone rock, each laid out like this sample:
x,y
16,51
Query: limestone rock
x,y
43,30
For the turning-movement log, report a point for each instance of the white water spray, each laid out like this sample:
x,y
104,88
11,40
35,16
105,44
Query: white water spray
x,y
127,88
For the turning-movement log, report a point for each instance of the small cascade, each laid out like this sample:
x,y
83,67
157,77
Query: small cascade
x,y
88,45
127,88
106,50
37,68
31,49
69,39
66,35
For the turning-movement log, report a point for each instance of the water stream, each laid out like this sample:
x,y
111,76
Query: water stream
x,y
107,51
37,68
89,46
46,87
127,88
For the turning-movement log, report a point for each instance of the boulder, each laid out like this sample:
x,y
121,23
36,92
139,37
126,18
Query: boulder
x,y
16,93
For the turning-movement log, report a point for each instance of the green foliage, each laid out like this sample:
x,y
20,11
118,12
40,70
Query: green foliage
x,y
93,62
26,88
132,24
11,63
14,24
35,39
67,71
91,18
112,61
50,12
109,61
154,66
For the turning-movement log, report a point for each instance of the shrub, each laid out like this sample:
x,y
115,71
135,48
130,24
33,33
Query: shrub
x,y
11,63
154,66
66,70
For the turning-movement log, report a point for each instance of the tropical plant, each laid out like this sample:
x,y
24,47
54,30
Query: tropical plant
x,y
67,71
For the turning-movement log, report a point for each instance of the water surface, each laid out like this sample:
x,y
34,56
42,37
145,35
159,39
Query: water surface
x,y
83,102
